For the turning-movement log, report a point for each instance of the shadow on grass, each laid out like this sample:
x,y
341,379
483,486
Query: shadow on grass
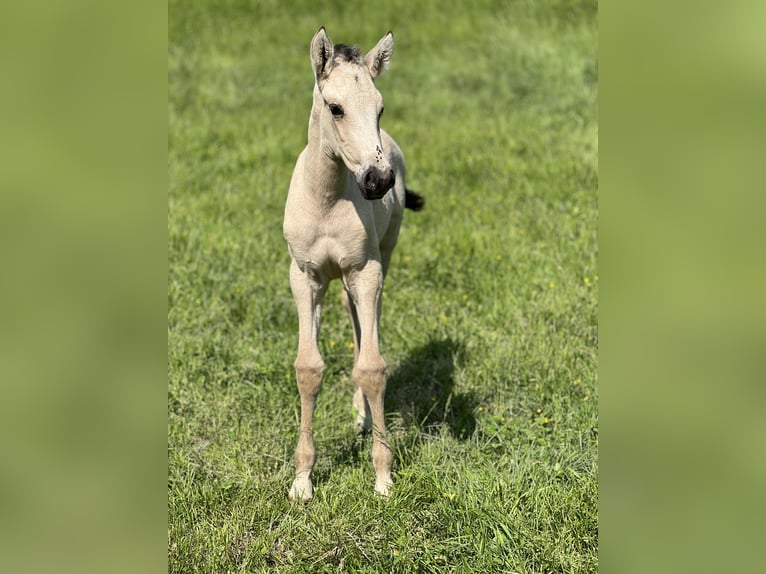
x,y
422,390
420,401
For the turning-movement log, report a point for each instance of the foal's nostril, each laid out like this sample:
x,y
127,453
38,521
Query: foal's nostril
x,y
387,180
371,179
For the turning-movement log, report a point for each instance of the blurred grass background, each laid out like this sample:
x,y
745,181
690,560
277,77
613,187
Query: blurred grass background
x,y
83,220
682,315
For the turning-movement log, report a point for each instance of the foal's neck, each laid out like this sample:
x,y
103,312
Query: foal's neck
x,y
325,172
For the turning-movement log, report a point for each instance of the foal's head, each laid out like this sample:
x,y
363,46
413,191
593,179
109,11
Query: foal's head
x,y
348,108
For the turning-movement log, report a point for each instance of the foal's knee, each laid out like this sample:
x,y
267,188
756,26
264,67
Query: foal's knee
x,y
309,377
371,377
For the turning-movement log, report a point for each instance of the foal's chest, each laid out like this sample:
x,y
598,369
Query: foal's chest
x,y
329,244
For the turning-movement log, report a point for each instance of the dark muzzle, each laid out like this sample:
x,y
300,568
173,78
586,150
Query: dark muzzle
x,y
376,183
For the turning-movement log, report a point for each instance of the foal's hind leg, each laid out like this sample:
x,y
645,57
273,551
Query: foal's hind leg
x,y
363,417
309,369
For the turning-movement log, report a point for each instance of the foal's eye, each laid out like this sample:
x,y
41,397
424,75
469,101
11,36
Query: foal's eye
x,y
336,110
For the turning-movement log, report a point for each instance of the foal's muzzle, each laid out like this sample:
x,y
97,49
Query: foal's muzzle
x,y
375,183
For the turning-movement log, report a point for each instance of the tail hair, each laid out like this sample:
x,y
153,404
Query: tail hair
x,y
413,201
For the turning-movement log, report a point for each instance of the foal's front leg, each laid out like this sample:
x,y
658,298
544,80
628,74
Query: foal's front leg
x,y
369,374
309,369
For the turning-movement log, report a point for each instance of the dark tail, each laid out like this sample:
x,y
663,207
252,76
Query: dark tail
x,y
413,201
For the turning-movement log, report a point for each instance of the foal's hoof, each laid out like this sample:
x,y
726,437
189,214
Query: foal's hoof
x,y
302,489
383,486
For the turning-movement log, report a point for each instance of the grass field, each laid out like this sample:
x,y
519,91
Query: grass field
x,y
489,313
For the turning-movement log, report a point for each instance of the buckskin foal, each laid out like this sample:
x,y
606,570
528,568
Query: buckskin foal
x,y
342,220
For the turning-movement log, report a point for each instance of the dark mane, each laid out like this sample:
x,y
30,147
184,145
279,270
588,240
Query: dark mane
x,y
345,53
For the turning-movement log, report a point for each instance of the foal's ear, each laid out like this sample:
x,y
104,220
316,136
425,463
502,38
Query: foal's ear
x,y
379,57
321,53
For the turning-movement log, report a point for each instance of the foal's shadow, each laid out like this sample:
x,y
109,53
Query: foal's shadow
x,y
422,390
421,401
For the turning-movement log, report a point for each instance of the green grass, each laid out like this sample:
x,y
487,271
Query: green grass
x,y
490,309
